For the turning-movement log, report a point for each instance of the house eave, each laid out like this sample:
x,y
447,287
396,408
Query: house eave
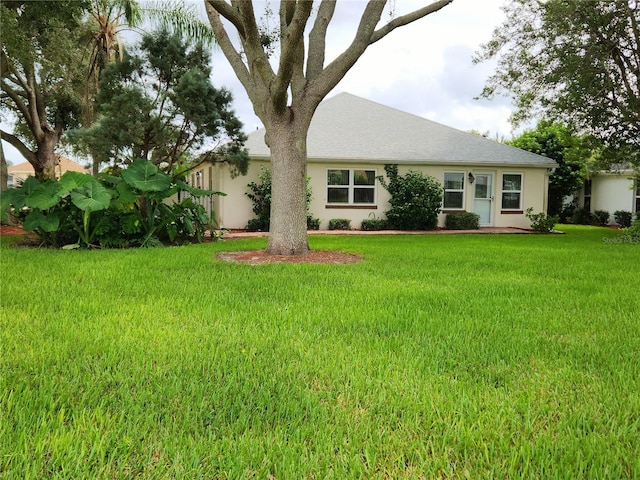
x,y
423,162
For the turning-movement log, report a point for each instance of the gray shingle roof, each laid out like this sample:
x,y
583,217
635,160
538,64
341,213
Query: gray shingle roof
x,y
348,128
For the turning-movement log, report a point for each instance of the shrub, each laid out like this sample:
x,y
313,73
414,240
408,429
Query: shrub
x,y
313,223
339,224
541,222
415,199
259,224
462,221
374,224
260,195
582,216
627,235
567,212
632,234
623,218
601,217
112,211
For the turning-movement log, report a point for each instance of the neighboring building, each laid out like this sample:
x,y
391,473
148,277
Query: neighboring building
x,y
614,190
350,141
18,173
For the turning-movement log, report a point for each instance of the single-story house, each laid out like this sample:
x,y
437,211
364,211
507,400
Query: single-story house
x,y
350,141
611,190
19,173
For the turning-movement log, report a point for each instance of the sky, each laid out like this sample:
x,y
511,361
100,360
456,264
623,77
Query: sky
x,y
424,68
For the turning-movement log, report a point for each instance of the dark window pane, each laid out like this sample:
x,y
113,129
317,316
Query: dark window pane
x,y
338,177
452,199
454,181
364,177
511,201
482,190
363,195
587,188
512,182
338,195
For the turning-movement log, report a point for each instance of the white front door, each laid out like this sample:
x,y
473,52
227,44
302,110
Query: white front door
x,y
483,197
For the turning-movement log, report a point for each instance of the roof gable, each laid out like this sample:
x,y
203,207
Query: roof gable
x,y
350,128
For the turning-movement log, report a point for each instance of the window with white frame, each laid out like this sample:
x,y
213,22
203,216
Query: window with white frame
x,y
351,187
511,191
638,196
453,191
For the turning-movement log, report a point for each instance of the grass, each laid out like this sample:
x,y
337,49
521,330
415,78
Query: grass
x,y
449,356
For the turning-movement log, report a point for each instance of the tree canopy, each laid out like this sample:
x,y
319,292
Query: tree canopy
x,y
158,104
572,153
573,61
40,76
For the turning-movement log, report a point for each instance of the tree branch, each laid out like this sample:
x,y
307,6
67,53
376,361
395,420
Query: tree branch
x,y
328,78
18,145
228,12
408,18
256,72
291,56
18,101
233,56
317,38
257,59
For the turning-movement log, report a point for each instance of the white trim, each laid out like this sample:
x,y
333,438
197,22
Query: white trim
x,y
351,187
445,190
520,192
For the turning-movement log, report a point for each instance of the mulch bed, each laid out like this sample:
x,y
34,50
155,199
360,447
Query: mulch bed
x,y
259,257
9,230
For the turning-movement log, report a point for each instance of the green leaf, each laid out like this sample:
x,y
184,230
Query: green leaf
x,y
73,180
92,197
125,195
18,196
144,176
45,196
38,220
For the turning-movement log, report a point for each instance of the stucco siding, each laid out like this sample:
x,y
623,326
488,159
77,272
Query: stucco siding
x,y
235,209
611,192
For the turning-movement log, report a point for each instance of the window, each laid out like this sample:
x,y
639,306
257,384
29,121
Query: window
x,y
587,195
453,190
638,196
351,187
512,191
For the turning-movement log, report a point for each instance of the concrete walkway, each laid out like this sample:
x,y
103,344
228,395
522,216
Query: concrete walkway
x,y
233,234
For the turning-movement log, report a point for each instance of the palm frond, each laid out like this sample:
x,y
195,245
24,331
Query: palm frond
x,y
179,18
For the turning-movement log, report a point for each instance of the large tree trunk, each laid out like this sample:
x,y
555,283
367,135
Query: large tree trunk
x,y
46,160
4,174
288,228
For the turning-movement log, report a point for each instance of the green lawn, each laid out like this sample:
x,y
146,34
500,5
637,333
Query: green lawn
x,y
449,356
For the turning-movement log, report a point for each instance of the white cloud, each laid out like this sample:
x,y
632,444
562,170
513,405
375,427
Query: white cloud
x,y
424,68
